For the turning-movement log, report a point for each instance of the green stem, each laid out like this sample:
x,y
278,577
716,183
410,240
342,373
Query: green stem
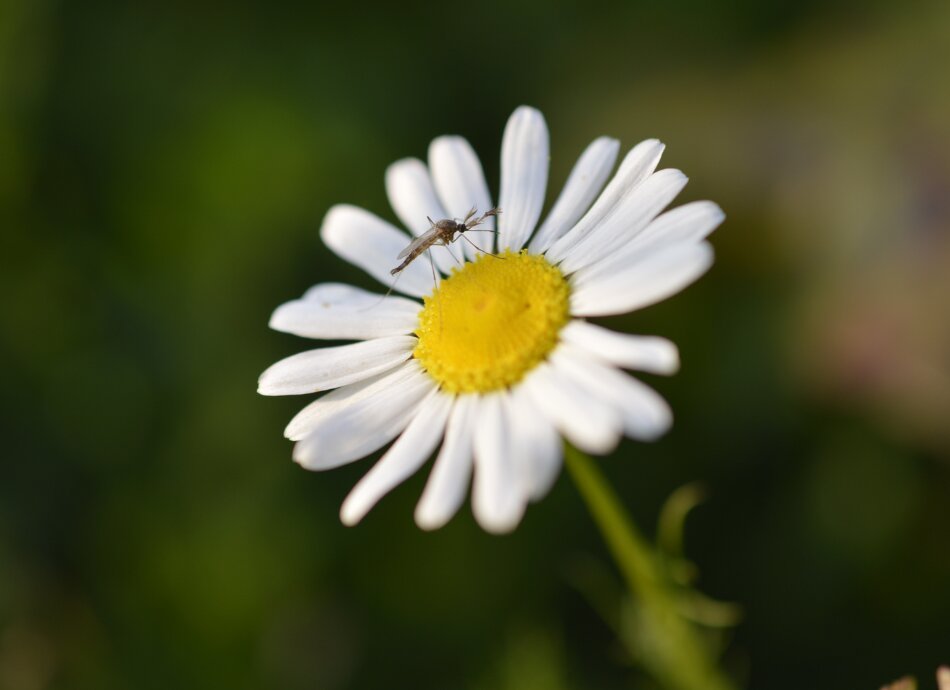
x,y
667,645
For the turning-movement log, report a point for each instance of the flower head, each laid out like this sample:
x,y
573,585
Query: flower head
x,y
498,362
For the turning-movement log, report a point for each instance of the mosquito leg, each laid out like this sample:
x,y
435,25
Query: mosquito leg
x,y
388,293
435,281
435,285
495,232
452,254
480,249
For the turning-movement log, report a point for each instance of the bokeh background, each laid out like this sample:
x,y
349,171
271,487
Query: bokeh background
x,y
164,168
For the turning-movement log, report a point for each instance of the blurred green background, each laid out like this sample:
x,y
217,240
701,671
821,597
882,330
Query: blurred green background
x,y
164,168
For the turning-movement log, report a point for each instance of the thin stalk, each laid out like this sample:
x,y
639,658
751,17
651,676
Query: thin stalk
x,y
667,645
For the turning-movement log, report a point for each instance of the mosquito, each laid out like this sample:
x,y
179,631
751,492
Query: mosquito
x,y
443,233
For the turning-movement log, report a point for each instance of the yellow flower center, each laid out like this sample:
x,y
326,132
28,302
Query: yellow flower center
x,y
491,322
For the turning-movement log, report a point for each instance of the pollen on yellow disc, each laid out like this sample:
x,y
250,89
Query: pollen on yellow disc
x,y
492,321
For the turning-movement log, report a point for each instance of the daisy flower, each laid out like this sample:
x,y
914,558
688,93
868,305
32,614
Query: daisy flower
x,y
498,362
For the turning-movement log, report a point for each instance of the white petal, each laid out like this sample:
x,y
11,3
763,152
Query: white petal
x,y
652,279
585,419
363,426
644,353
446,488
332,367
690,222
460,182
401,461
645,415
686,224
412,196
582,187
538,444
640,162
524,176
497,499
373,244
333,311
629,218
309,417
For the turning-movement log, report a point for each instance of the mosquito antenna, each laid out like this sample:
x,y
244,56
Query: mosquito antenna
x,y
481,219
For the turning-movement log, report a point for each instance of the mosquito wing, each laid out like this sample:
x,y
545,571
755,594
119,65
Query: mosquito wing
x,y
424,240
